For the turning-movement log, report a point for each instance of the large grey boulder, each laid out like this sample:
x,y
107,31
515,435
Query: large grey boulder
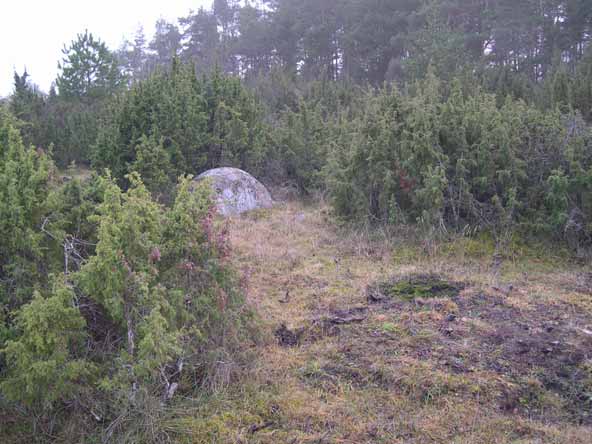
x,y
236,191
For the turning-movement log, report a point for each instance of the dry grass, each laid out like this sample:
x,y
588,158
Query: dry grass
x,y
426,371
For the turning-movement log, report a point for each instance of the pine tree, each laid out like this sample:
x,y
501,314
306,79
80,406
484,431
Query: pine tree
x,y
88,70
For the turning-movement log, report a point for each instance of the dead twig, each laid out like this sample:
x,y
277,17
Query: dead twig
x,y
257,427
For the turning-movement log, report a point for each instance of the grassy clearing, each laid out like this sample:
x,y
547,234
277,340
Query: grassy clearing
x,y
377,339
504,360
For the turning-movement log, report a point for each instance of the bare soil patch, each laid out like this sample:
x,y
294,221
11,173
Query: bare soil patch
x,y
541,353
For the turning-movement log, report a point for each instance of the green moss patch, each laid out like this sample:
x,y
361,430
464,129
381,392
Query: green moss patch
x,y
414,286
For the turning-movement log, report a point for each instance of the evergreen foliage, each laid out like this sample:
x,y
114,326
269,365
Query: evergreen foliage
x,y
186,124
459,159
88,69
24,185
43,369
107,296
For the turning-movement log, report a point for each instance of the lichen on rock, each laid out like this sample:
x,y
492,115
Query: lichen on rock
x,y
236,191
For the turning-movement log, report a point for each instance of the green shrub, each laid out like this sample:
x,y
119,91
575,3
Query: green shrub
x,y
43,367
460,160
174,123
25,176
150,308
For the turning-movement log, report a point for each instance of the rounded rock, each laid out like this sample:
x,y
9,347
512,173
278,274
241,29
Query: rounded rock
x,y
236,191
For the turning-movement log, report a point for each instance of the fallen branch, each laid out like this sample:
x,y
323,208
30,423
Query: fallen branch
x,y
257,427
356,314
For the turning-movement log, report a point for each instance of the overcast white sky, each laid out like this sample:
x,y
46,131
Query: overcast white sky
x,y
33,32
